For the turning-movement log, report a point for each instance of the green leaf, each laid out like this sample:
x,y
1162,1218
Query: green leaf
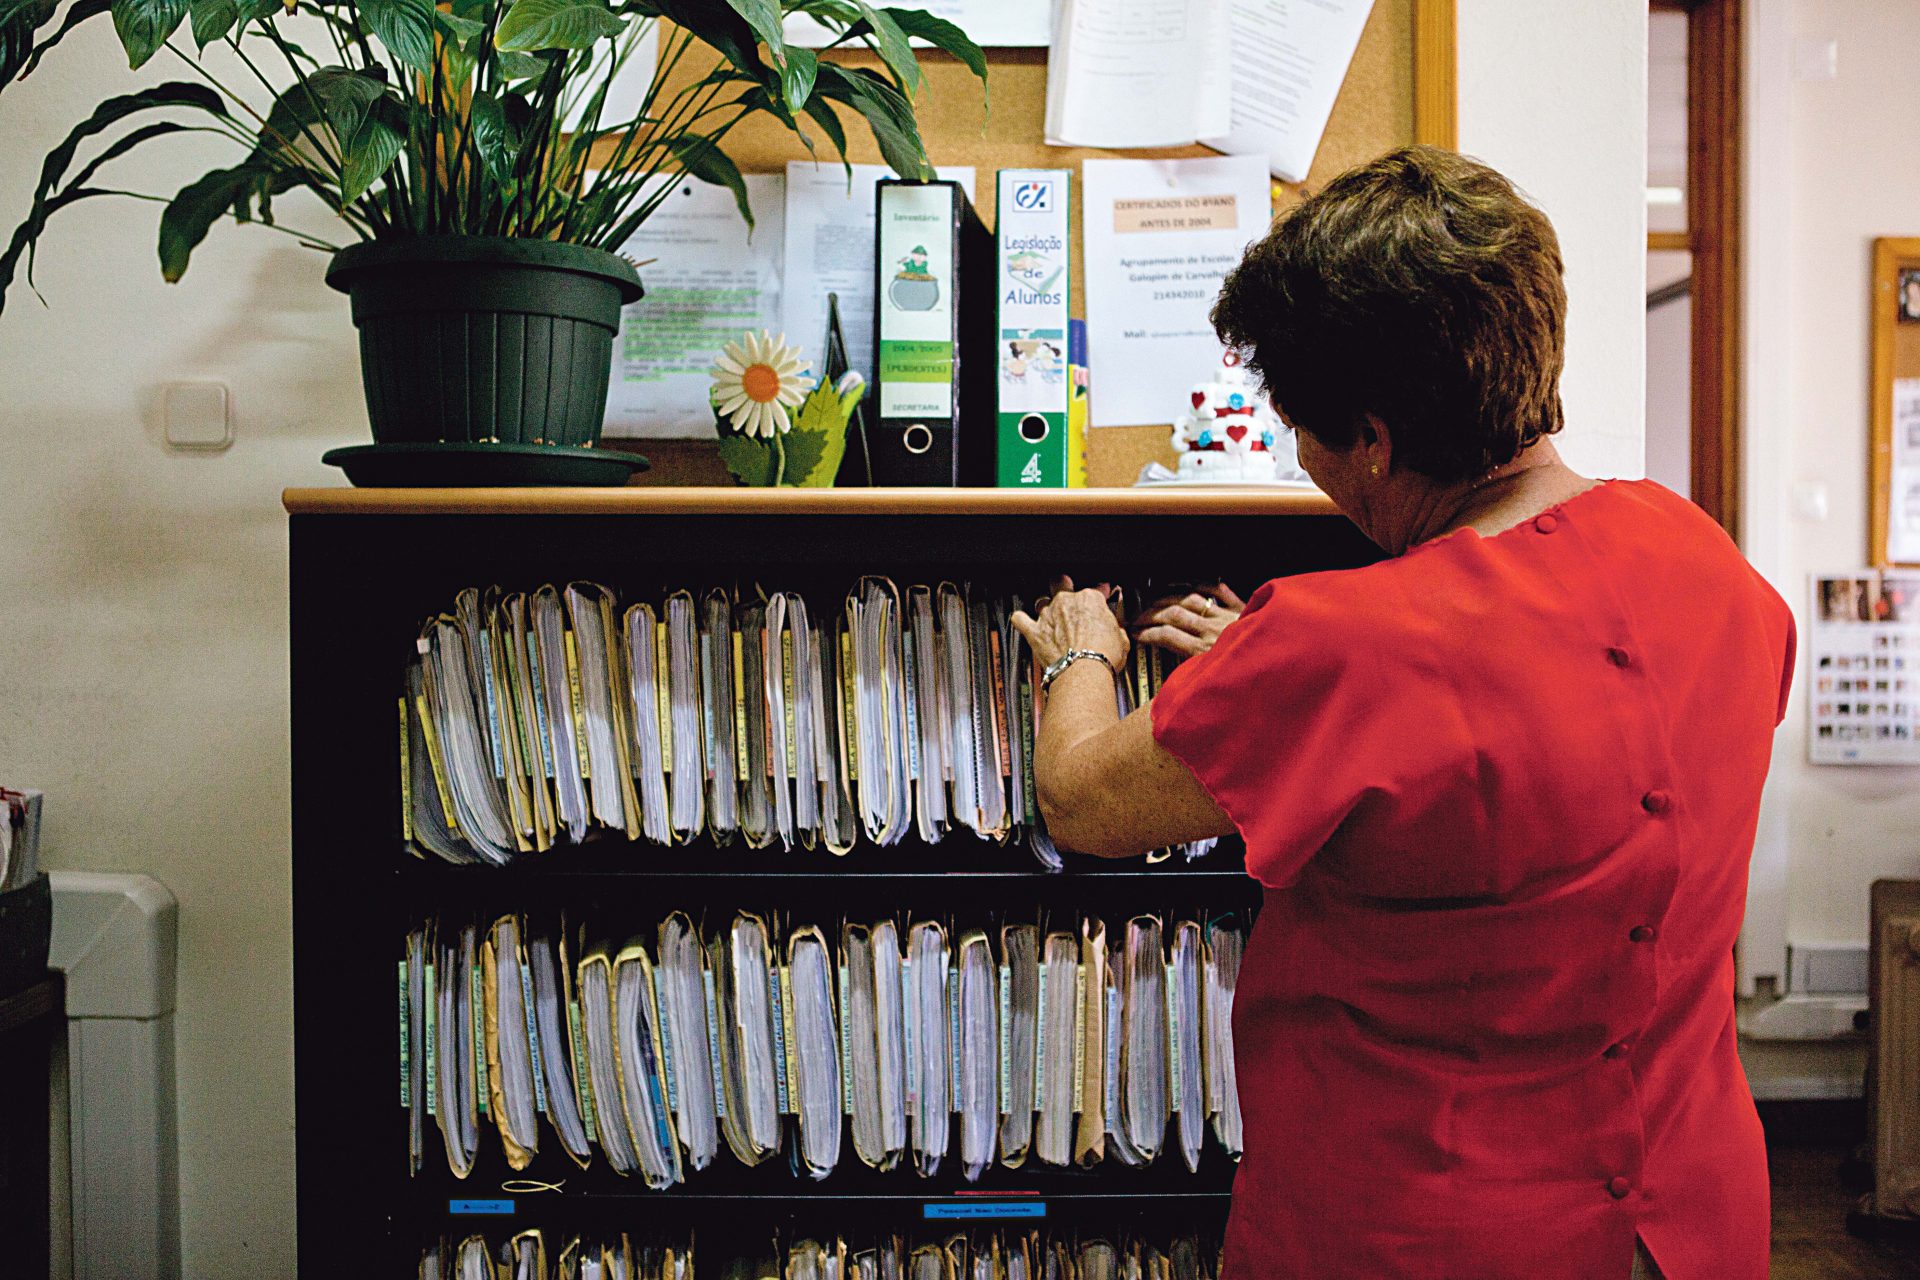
x,y
212,19
47,199
702,158
891,41
750,460
144,25
806,452
461,29
822,114
375,146
944,36
344,96
405,27
520,66
491,138
887,112
796,81
17,32
763,17
201,203
713,24
19,21
532,25
823,417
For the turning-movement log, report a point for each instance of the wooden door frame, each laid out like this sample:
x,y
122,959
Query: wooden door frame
x,y
1715,70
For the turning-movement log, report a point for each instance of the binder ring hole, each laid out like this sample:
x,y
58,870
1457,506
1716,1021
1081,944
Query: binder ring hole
x,y
918,438
1033,428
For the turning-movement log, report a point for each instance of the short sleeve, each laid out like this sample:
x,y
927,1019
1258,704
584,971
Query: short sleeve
x,y
1291,720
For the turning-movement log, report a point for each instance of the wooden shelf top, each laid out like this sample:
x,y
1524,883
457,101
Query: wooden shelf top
x,y
644,500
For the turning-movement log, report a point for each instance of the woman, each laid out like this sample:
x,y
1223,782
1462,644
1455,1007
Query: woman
x,y
1501,787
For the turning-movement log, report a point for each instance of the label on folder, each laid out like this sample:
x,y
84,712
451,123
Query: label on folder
x,y
916,288
985,1210
489,1208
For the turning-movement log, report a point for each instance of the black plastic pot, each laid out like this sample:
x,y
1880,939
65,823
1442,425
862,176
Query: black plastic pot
x,y
467,339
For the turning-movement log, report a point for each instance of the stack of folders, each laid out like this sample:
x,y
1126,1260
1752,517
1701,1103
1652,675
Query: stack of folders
x,y
921,1045
19,836
526,1256
981,1255
533,719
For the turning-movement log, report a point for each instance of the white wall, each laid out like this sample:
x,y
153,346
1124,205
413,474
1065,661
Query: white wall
x,y
1830,167
1555,96
143,641
143,636
1670,393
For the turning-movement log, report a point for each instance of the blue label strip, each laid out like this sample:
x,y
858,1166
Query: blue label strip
x,y
986,1209
492,1208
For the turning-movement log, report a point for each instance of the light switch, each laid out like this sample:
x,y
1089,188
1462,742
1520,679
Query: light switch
x,y
195,414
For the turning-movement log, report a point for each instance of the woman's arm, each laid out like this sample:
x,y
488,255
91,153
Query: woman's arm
x,y
1105,786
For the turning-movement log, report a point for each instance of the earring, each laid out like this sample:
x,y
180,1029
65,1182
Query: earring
x,y
1374,469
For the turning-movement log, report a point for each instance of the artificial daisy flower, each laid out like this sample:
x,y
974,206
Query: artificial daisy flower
x,y
755,382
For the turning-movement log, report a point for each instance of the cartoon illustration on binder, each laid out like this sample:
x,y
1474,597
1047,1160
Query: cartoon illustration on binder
x,y
915,287
1033,357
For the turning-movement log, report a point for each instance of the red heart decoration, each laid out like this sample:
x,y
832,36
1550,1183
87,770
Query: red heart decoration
x,y
1237,432
1199,398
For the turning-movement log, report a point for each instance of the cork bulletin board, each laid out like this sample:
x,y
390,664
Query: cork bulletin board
x,y
1893,452
1399,89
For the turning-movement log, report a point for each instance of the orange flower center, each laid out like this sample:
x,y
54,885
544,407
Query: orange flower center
x,y
760,383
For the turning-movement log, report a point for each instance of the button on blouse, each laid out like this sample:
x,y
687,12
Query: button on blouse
x,y
1451,1025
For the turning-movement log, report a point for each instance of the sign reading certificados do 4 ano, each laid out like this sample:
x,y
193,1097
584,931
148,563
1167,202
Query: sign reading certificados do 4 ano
x,y
1160,236
915,280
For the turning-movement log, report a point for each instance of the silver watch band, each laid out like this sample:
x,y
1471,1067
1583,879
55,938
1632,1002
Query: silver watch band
x,y
1067,659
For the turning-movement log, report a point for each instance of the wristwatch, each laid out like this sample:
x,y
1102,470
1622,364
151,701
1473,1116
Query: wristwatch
x,y
1067,659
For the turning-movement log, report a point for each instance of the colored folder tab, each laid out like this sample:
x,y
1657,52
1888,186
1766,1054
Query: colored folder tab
x,y
1034,383
933,322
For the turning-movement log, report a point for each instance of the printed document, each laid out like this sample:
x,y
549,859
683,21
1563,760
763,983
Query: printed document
x,y
1159,237
830,249
991,24
707,282
1903,503
1289,59
1138,73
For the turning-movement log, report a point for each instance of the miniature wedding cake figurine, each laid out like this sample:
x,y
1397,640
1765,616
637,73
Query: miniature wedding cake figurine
x,y
1231,435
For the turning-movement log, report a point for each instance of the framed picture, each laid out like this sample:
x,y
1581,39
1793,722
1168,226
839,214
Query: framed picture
x,y
1910,295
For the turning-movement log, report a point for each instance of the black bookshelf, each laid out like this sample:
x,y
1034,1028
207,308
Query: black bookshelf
x,y
367,566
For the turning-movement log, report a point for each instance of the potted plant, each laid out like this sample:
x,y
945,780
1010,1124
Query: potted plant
x,y
480,155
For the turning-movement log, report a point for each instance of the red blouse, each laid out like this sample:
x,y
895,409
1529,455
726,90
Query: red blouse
x,y
1502,793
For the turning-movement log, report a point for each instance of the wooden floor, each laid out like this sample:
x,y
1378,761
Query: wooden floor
x,y
1810,1240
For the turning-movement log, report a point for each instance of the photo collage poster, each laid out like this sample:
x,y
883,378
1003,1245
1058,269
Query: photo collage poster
x,y
1864,702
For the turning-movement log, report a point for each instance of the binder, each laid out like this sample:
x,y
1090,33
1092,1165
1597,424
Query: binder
x,y
933,323
1078,409
1031,359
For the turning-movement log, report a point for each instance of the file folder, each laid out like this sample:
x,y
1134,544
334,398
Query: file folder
x,y
1033,380
933,328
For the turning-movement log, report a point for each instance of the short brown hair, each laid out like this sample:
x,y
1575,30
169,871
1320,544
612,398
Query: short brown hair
x,y
1422,289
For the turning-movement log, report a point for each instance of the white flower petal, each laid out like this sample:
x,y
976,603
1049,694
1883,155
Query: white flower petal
x,y
790,395
780,418
728,362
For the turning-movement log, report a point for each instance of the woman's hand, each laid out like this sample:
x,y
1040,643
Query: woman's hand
x,y
1074,620
1188,624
